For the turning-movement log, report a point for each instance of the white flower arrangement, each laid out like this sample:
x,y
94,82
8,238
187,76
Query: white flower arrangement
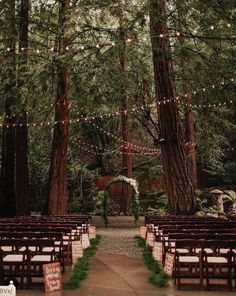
x,y
130,181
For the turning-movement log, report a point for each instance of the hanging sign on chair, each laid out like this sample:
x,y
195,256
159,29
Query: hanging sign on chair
x,y
85,241
92,232
77,251
143,231
150,239
157,251
169,263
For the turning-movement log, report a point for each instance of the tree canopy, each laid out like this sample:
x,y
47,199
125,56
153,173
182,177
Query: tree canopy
x,y
201,33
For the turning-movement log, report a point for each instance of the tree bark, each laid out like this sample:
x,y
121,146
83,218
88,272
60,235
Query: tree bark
x,y
7,191
58,193
126,152
174,156
22,175
190,137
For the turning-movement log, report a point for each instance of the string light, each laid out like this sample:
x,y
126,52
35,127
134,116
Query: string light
x,y
135,110
92,149
134,40
133,146
120,151
118,113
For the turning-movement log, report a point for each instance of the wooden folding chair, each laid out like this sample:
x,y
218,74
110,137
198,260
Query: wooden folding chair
x,y
188,264
217,266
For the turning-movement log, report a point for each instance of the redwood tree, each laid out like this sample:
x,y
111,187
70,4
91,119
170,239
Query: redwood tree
x,y
58,194
174,155
22,175
190,137
126,152
7,185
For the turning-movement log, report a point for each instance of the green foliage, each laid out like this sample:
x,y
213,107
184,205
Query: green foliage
x,y
206,202
147,170
230,194
83,191
158,278
98,203
140,241
154,201
80,271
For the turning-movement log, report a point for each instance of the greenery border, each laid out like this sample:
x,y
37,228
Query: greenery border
x,y
158,277
80,271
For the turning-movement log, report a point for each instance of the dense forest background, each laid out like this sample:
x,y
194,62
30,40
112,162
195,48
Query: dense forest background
x,y
62,76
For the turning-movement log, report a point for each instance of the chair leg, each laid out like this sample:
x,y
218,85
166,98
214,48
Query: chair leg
x,y
207,277
230,276
178,277
201,273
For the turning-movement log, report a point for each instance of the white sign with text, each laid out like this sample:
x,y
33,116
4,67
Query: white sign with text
x,y
85,241
157,251
77,251
8,290
143,231
150,239
92,232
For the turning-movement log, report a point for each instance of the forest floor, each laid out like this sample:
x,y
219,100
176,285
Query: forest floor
x,y
117,268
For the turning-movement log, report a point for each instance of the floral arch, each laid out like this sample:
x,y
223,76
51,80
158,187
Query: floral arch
x,y
135,196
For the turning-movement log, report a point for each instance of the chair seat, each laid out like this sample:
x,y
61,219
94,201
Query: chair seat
x,y
13,258
188,259
206,250
216,260
172,244
33,249
41,258
181,251
50,249
6,249
224,251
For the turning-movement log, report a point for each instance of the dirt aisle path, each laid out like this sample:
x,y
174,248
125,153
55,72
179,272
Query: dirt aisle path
x,y
117,269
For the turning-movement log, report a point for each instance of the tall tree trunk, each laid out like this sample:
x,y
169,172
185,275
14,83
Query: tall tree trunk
x,y
7,191
190,137
126,153
22,178
58,193
174,156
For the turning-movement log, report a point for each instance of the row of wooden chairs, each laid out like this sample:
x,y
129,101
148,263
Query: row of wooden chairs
x,y
24,258
205,261
26,243
203,249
